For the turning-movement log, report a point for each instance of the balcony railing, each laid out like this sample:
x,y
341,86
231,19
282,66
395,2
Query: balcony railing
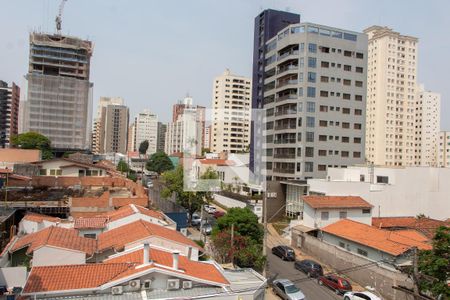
x,y
285,171
284,127
284,155
284,55
286,82
286,112
285,141
287,68
286,97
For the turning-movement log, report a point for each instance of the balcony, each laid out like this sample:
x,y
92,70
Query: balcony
x,y
284,141
286,97
286,112
287,68
285,127
284,155
286,82
289,53
284,171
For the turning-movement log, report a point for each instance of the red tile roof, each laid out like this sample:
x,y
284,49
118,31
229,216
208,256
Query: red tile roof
x,y
14,155
92,222
72,277
118,237
201,270
119,202
336,202
128,210
34,217
426,226
57,237
219,162
383,240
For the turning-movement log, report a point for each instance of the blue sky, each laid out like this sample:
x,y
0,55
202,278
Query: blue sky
x,y
152,53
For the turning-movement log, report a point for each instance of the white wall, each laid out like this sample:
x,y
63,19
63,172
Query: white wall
x,y
13,277
136,217
51,256
312,217
228,202
167,244
28,227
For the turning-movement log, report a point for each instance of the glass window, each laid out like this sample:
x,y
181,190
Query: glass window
x,y
302,62
312,48
309,151
362,252
324,216
310,137
300,92
310,122
336,34
349,36
43,172
311,92
300,77
311,77
298,29
300,107
309,166
310,107
342,215
312,62
302,47
325,32
312,29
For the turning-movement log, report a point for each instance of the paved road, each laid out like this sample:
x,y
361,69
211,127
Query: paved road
x,y
308,286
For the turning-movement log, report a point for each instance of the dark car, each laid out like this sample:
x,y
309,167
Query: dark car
x,y
336,283
309,267
217,214
284,252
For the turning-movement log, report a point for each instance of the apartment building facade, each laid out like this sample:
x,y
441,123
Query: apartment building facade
x,y
146,124
185,135
231,113
59,94
427,126
391,97
314,101
9,112
161,142
443,155
114,133
99,123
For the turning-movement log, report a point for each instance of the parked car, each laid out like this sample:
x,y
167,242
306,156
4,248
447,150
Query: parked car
x,y
209,209
284,252
195,221
285,289
360,296
207,229
338,284
149,184
309,267
218,213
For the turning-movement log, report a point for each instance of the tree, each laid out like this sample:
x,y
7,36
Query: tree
x,y
245,223
434,265
143,147
122,166
33,140
159,162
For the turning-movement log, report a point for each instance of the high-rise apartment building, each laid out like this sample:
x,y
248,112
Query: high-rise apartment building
x,y
444,149
161,143
267,24
146,129
207,137
187,102
9,112
114,133
231,113
132,137
59,95
314,101
391,97
98,129
427,127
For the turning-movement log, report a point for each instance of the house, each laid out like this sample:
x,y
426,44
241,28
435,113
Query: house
x,y
142,273
425,226
33,222
320,211
374,243
69,168
11,156
50,246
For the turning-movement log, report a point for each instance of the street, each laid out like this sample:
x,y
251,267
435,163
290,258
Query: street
x,y
286,270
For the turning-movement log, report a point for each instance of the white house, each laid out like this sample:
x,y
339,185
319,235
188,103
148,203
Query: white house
x,y
69,168
320,211
393,191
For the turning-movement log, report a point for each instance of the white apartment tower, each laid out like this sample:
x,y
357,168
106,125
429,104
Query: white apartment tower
x,y
99,126
391,97
444,149
427,126
230,128
146,129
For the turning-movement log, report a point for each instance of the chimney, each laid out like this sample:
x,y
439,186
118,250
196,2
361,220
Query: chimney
x,y
146,253
176,255
189,256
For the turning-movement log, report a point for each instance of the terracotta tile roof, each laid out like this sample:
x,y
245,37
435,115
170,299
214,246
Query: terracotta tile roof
x,y
119,202
413,234
336,202
118,237
128,210
34,217
383,240
84,214
92,222
201,270
73,163
13,155
72,277
426,226
57,237
98,202
219,162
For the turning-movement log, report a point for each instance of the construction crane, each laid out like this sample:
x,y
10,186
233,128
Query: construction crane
x,y
58,19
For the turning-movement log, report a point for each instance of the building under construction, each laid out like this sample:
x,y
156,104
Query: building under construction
x,y
59,96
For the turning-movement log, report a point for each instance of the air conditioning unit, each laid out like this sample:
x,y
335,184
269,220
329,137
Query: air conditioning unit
x,y
117,290
173,284
134,284
187,285
147,284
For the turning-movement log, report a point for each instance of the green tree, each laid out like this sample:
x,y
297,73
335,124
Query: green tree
x,y
122,166
33,140
435,265
159,162
245,224
143,147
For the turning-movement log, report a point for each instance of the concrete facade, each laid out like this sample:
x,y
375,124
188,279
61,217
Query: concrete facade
x,y
231,114
9,112
161,141
391,97
114,134
146,129
99,123
443,155
53,256
321,217
314,101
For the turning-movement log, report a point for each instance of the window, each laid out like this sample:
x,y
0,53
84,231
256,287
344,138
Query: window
x,y
322,138
310,122
342,244
346,111
324,216
358,98
321,168
325,64
323,123
324,94
357,140
356,154
299,123
43,172
302,47
309,152
299,166
345,125
300,77
312,48
358,112
311,92
323,78
358,83
309,166
342,215
311,77
347,82
90,235
346,96
324,108
347,68
359,69
58,172
359,55
366,211
362,177
302,62
357,126
310,107
383,179
345,139
322,152
348,53
344,153
312,62
362,252
310,137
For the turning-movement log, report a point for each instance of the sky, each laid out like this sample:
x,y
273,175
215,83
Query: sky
x,y
152,53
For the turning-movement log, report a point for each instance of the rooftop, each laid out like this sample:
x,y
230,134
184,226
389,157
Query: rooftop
x,y
426,226
336,202
219,162
38,218
383,240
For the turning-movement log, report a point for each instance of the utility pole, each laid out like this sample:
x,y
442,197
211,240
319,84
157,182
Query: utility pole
x,y
416,273
265,230
6,189
232,243
202,236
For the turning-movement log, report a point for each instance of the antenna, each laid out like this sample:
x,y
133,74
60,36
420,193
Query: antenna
x,y
58,19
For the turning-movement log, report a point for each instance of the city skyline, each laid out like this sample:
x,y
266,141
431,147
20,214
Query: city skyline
x,y
198,52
